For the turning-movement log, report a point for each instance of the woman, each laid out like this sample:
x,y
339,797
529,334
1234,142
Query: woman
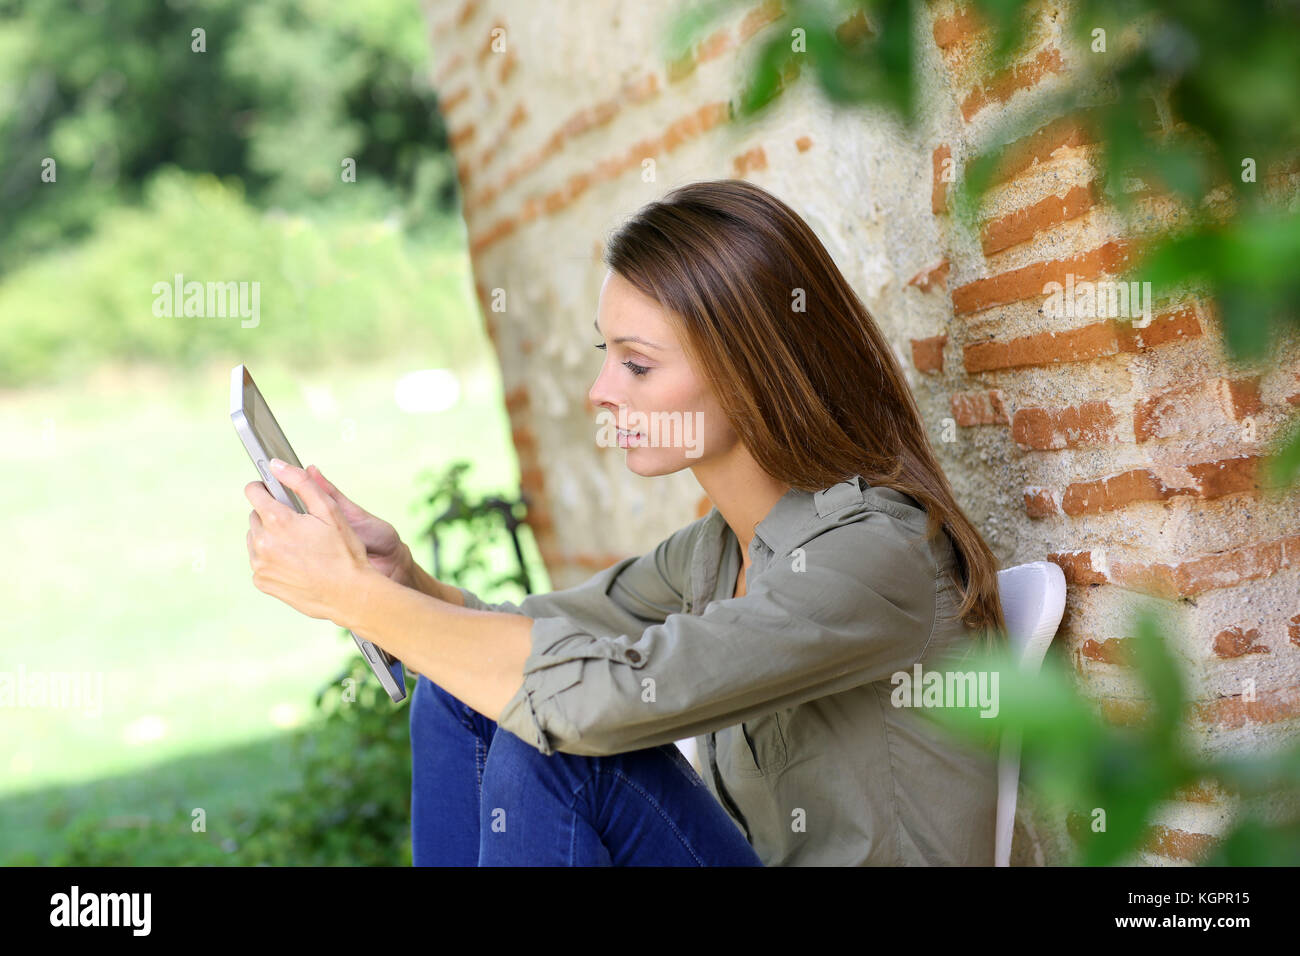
x,y
834,557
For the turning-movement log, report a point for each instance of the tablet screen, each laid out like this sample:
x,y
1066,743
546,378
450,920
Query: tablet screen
x,y
264,426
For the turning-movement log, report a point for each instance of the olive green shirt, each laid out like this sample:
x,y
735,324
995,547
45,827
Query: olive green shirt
x,y
787,689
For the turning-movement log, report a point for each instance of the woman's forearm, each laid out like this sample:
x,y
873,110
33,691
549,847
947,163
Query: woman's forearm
x,y
476,656
424,582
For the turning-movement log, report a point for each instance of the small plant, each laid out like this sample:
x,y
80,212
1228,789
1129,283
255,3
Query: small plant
x,y
480,521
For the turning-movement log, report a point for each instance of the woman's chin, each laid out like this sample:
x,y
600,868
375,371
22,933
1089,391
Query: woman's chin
x,y
648,466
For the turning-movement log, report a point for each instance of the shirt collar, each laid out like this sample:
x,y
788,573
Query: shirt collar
x,y
778,528
791,512
785,525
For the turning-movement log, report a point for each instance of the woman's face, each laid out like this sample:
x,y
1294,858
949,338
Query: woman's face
x,y
649,387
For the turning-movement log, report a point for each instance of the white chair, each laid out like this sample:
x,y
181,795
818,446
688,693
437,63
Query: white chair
x,y
687,747
1033,600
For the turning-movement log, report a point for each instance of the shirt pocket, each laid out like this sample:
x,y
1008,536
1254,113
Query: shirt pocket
x,y
757,747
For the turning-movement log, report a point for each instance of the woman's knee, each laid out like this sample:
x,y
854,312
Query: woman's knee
x,y
514,764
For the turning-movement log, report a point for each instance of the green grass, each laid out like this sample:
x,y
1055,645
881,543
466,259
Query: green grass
x,y
125,557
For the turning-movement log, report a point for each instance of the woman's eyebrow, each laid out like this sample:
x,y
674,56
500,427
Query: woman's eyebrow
x,y
627,338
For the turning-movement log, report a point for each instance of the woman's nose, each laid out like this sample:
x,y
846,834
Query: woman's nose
x,y
600,394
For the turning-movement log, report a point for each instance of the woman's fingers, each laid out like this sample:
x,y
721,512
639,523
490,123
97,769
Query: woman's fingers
x,y
254,524
351,509
325,483
319,504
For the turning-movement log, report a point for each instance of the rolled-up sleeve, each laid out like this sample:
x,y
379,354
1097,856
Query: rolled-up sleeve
x,y
855,606
626,596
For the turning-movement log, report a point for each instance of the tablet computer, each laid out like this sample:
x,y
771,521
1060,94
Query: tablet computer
x,y
263,440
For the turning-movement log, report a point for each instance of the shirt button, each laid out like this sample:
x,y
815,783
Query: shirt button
x,y
633,656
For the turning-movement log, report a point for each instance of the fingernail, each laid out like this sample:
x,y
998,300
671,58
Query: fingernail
x,y
277,464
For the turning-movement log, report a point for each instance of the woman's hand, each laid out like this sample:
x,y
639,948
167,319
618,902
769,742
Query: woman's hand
x,y
384,547
313,562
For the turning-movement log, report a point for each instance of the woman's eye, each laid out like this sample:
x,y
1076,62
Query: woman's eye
x,y
632,366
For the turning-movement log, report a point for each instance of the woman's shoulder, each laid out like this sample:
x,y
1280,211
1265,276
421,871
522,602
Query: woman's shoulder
x,y
849,511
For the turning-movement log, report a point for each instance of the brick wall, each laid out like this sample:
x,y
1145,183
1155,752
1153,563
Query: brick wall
x,y
1125,453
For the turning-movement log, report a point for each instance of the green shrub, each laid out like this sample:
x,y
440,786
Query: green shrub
x,y
341,286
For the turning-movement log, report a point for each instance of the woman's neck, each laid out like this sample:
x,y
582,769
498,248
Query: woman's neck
x,y
743,493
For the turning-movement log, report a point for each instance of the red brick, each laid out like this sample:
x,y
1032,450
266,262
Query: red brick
x,y
507,66
927,278
1123,713
1234,642
1268,707
1024,224
576,124
516,400
1042,348
768,12
1227,476
461,136
682,67
1211,479
1178,844
1077,567
713,46
1170,326
1112,650
643,89
1065,132
751,159
1039,503
853,30
957,28
1004,85
532,479
1189,408
1090,423
979,408
524,440
1029,281
1222,569
688,127
927,354
486,50
497,231
452,100
1208,791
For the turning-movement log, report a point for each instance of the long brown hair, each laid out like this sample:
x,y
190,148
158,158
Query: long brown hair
x,y
816,395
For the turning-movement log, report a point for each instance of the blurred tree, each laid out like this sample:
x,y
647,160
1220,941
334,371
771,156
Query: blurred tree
x,y
277,93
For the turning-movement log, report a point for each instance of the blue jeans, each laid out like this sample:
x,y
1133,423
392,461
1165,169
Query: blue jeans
x,y
483,797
